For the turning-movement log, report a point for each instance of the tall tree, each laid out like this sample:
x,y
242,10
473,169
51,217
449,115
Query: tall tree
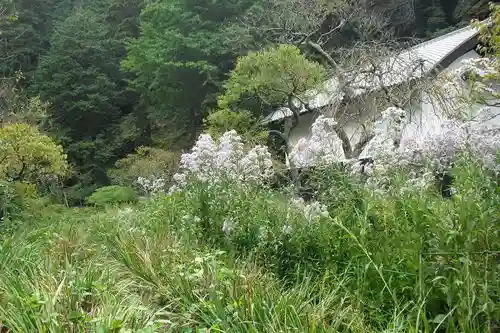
x,y
25,36
180,59
81,78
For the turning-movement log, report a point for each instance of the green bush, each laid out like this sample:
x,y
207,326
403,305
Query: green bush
x,y
17,198
145,162
220,121
113,195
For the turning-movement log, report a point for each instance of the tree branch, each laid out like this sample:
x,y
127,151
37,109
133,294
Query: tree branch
x,y
346,143
293,169
328,58
358,148
332,31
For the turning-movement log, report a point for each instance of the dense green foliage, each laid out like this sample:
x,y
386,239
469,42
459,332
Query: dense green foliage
x,y
271,76
27,154
242,121
81,78
120,74
144,162
28,160
406,262
490,33
100,92
180,60
112,195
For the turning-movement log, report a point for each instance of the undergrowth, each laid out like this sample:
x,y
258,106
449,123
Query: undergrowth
x,y
224,259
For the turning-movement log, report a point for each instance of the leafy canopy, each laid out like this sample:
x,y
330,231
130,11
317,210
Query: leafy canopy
x,y
91,107
490,33
243,122
272,75
27,154
180,59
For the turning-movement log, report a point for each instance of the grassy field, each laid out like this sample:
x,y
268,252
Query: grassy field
x,y
226,259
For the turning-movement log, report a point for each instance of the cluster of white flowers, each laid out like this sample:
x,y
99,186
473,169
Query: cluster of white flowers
x,y
151,185
478,67
475,78
441,147
436,151
323,147
211,162
287,229
388,132
125,214
394,118
228,226
311,211
460,130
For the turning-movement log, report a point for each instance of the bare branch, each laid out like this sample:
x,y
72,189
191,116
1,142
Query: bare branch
x,y
316,47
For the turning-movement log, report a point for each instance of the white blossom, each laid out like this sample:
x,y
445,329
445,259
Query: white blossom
x,y
311,211
228,226
212,162
262,233
287,229
475,79
461,129
323,147
126,213
151,185
436,151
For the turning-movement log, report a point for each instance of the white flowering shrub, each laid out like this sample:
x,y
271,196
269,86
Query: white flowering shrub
x,y
476,80
151,185
388,132
228,226
436,151
323,147
463,130
477,69
211,162
312,211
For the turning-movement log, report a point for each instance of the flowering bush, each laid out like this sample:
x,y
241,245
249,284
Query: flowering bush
x,y
420,156
211,162
323,147
475,81
312,211
151,185
461,129
146,169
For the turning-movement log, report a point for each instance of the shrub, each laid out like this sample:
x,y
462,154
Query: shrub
x,y
17,198
146,162
221,121
27,154
112,195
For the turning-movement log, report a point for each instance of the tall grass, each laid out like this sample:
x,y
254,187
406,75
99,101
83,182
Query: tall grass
x,y
406,261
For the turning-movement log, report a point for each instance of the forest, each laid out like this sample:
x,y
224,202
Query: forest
x,y
104,78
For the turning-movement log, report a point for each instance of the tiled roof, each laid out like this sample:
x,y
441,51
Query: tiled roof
x,y
398,69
